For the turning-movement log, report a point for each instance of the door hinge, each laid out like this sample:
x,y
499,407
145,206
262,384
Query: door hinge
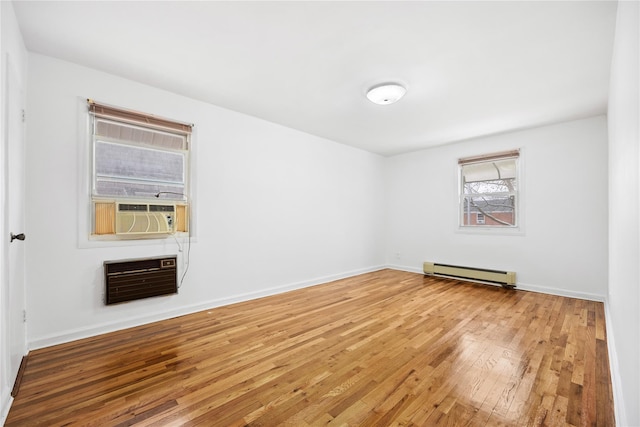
x,y
24,116
24,316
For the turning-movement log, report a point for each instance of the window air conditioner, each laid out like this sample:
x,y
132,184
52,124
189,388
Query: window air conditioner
x,y
145,218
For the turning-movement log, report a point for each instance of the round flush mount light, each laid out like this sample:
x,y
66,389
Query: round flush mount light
x,y
386,93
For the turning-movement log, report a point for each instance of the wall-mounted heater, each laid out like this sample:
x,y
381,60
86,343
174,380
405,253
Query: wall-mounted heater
x,y
133,279
505,278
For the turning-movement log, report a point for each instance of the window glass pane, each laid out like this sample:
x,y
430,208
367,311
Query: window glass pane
x,y
112,188
495,210
137,163
493,186
489,193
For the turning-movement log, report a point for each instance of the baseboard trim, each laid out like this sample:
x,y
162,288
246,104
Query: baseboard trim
x,y
561,292
16,384
7,401
408,269
76,334
618,402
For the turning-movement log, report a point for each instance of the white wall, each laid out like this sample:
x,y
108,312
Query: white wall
x,y
624,211
562,247
276,208
12,339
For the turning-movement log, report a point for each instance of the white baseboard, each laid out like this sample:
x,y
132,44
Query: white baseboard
x,y
76,334
6,406
616,384
561,292
406,268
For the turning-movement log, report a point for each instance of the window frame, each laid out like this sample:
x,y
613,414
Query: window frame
x,y
517,227
156,125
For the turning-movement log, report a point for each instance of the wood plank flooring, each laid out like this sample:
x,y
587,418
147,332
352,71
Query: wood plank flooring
x,y
380,349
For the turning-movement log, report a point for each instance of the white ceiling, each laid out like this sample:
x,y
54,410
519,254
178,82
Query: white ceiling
x,y
471,68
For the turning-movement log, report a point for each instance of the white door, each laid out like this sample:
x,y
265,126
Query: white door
x,y
13,171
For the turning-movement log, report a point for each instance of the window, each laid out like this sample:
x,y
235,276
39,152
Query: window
x,y
138,158
489,190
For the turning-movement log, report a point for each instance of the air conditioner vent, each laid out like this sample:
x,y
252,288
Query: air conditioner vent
x,y
162,208
145,219
126,207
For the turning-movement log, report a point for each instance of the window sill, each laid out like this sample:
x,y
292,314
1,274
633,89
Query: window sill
x,y
491,231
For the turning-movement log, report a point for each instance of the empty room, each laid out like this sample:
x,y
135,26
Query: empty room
x,y
352,213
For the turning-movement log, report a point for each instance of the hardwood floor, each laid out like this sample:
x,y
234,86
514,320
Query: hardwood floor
x,y
385,348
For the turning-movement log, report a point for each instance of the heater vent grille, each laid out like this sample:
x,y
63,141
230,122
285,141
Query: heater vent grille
x,y
132,279
504,278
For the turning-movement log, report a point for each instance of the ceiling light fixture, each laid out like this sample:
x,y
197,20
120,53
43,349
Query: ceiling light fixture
x,y
386,93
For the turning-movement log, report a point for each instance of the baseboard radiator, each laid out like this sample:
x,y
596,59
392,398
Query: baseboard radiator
x,y
132,279
504,278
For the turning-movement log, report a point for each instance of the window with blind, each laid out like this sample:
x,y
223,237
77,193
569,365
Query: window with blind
x,y
489,190
137,158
